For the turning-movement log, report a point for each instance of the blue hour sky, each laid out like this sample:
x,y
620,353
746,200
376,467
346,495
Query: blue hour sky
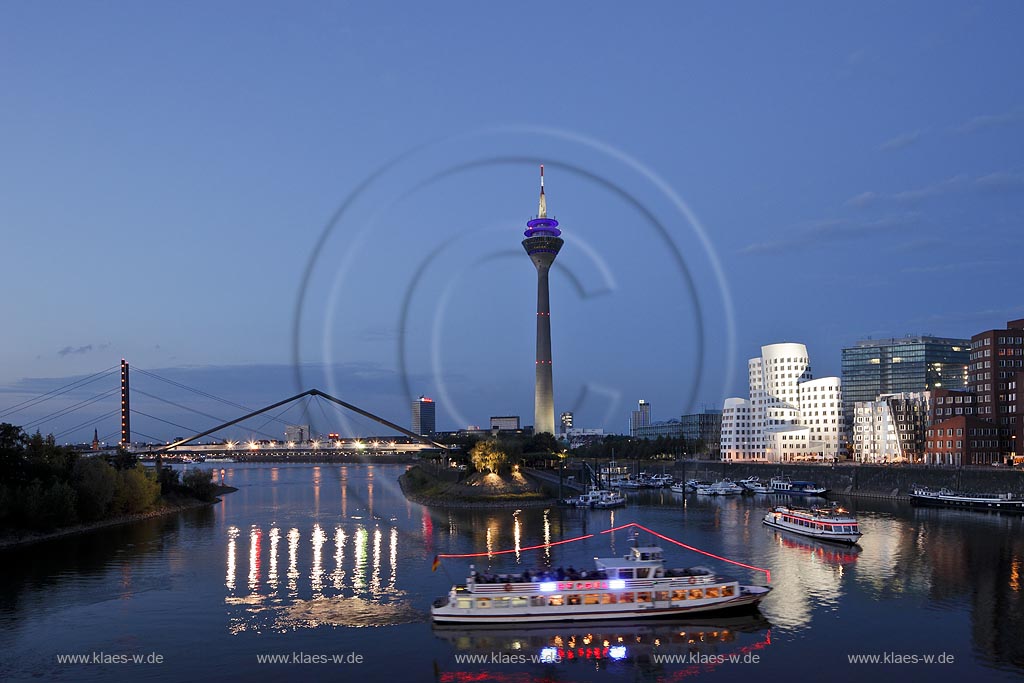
x,y
253,198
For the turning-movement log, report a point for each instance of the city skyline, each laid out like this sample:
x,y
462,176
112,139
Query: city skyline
x,y
168,213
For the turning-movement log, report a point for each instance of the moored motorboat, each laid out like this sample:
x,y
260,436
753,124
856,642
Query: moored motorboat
x,y
796,488
826,524
921,495
724,487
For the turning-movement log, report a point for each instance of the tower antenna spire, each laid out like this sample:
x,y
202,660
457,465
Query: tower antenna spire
x,y
542,208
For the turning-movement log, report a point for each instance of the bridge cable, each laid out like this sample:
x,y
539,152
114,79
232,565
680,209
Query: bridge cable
x,y
53,393
185,407
69,409
87,423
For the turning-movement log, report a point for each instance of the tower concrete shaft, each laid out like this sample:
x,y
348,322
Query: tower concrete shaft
x,y
543,243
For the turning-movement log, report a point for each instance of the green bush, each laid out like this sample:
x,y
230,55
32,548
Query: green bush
x,y
199,483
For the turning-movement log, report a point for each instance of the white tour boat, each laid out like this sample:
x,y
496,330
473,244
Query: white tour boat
x,y
636,585
826,524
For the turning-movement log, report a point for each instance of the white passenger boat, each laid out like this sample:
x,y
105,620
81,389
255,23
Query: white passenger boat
x,y
678,487
629,587
826,524
982,501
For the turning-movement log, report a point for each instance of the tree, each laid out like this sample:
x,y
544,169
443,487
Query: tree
x,y
137,491
96,482
199,482
488,456
545,442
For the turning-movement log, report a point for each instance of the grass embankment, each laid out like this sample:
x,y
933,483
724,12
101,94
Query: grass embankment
x,y
478,490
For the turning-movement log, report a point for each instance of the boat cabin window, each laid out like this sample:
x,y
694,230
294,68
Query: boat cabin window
x,y
643,597
678,595
696,593
643,572
519,602
483,603
556,601
728,591
574,599
626,597
608,598
464,603
501,602
591,598
625,573
713,592
537,601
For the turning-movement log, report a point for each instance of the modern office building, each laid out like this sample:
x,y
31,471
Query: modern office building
x,y
297,433
566,421
874,367
892,429
790,416
543,243
672,429
423,416
505,422
641,417
996,372
704,429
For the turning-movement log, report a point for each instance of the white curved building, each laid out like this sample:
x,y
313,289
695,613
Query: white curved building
x,y
790,415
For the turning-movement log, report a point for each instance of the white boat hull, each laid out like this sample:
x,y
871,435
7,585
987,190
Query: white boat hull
x,y
448,614
847,539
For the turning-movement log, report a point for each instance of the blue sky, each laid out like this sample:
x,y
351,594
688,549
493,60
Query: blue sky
x,y
171,173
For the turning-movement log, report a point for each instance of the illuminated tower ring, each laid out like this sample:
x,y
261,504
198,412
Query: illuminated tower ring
x,y
542,243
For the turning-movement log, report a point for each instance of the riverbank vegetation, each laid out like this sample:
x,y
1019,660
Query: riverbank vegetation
x,y
44,486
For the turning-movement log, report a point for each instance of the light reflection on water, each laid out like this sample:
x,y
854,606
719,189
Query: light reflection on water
x,y
277,566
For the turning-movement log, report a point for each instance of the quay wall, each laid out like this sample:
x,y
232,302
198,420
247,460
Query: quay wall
x,y
873,481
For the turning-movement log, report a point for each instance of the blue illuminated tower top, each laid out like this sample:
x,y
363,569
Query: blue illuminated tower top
x,y
542,225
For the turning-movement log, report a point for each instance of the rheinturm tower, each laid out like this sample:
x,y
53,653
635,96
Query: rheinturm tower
x,y
543,243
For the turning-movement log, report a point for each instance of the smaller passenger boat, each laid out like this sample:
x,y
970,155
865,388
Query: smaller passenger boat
x,y
825,524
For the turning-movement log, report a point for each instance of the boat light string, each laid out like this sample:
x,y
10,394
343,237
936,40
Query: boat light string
x,y
439,556
767,572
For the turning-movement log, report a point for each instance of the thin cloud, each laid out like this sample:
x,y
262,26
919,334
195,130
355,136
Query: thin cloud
x,y
954,266
901,141
999,181
985,121
830,230
74,350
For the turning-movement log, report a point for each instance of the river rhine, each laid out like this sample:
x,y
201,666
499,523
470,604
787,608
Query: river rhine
x,y
332,561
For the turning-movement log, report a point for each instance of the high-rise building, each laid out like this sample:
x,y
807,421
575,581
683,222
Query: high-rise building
x,y
566,421
423,416
789,416
955,435
891,429
543,243
505,422
996,373
641,417
873,367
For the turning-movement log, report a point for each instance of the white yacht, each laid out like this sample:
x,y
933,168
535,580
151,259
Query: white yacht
x,y
724,487
796,488
755,485
629,587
